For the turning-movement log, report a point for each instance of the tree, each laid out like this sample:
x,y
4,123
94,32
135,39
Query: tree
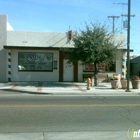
x,y
93,44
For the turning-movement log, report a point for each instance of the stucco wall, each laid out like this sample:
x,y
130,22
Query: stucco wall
x,y
119,62
3,57
32,76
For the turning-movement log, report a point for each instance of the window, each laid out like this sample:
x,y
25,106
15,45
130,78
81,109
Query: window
x,y
89,67
35,61
101,67
111,67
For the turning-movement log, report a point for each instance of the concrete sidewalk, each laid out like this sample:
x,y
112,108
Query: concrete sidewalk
x,y
95,135
66,88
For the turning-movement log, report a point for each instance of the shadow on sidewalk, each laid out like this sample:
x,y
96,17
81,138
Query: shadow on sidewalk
x,y
43,84
24,92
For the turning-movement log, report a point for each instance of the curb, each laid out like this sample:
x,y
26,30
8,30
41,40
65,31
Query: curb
x,y
103,90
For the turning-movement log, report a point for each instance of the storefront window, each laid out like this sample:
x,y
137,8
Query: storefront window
x,y
101,67
111,67
35,61
89,67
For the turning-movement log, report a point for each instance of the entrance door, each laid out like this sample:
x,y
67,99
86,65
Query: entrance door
x,y
67,71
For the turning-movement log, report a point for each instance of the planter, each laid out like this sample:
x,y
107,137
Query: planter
x,y
115,84
135,84
124,84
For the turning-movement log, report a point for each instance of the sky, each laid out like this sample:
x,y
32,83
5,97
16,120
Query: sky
x,y
62,15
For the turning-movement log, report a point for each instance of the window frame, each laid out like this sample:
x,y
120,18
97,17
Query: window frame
x,y
36,53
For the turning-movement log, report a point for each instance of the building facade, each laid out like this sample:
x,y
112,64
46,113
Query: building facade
x,y
38,56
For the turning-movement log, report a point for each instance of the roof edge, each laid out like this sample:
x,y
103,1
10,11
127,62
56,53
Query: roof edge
x,y
31,47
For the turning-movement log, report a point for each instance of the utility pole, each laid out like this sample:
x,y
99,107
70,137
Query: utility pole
x,y
125,15
128,46
128,38
126,21
113,27
123,4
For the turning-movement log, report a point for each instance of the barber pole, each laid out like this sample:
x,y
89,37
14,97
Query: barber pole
x,y
9,65
124,66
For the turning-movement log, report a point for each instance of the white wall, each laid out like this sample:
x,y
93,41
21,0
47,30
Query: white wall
x,y
32,76
3,58
119,62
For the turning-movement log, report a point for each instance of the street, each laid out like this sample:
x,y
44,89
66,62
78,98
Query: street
x,y
41,113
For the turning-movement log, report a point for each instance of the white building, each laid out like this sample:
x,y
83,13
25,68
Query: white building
x,y
37,56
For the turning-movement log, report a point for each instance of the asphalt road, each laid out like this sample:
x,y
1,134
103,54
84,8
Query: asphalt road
x,y
40,113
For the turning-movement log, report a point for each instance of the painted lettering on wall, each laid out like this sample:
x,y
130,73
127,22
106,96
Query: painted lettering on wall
x,y
35,58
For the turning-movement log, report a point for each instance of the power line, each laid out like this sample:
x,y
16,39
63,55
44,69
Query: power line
x,y
135,29
135,43
135,47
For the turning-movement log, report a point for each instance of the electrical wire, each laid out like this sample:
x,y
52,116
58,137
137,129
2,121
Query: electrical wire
x,y
135,47
135,29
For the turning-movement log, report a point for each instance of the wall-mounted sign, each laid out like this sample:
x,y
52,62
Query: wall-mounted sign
x,y
35,61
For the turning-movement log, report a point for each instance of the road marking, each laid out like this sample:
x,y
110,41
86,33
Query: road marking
x,y
67,105
39,89
14,86
82,90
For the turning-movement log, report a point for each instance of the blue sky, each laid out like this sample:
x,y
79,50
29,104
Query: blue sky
x,y
59,15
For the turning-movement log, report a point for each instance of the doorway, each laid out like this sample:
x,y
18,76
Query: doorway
x,y
68,71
